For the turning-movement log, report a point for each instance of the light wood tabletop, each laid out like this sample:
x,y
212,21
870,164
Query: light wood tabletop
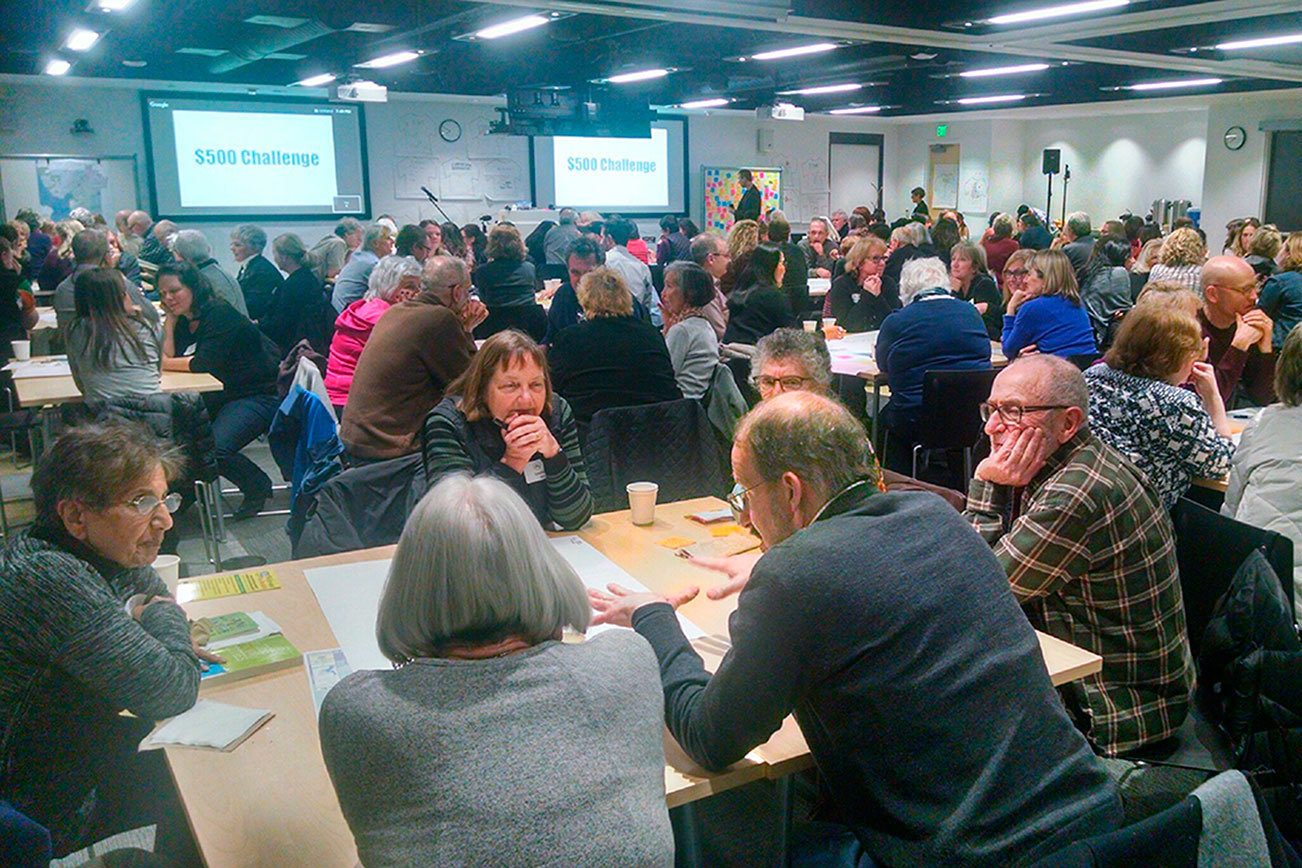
x,y
855,356
43,391
270,801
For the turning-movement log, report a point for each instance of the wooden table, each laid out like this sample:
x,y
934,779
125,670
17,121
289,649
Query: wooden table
x,y
271,801
43,391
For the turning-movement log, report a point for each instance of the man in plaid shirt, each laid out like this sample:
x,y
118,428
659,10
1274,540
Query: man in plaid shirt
x,y
1089,551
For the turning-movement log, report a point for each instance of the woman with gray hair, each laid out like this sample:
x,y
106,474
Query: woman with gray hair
x,y
934,331
394,280
258,278
791,360
190,245
299,311
491,738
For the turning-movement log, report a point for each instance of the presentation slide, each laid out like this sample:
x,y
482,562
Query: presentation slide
x,y
220,159
631,176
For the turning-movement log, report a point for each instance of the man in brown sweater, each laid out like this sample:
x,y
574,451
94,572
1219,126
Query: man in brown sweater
x,y
416,349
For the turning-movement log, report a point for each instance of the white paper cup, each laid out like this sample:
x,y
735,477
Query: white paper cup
x,y
168,568
22,350
811,325
642,501
829,321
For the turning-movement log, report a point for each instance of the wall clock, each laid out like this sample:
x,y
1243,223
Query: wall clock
x,y
449,130
1235,137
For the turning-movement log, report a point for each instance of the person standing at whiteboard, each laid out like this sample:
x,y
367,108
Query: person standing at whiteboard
x,y
748,206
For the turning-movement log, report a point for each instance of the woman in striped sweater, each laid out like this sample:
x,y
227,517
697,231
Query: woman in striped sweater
x,y
501,417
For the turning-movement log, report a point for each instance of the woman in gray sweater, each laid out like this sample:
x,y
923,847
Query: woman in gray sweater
x,y
87,629
692,343
492,741
113,350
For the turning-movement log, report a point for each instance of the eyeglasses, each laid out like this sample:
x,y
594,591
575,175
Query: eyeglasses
x,y
145,504
1016,272
1246,289
724,255
877,258
789,384
1011,414
737,497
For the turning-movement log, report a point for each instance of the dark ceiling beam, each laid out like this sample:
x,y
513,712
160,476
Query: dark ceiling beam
x,y
1003,44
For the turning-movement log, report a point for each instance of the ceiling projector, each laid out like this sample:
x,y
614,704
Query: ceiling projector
x,y
362,91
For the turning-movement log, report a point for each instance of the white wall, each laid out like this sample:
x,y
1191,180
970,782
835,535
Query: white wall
x,y
1235,181
1118,162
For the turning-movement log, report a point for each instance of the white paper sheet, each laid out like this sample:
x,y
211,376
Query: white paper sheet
x,y
349,595
45,366
324,670
209,724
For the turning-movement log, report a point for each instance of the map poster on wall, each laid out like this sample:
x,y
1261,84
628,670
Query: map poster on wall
x,y
66,184
722,192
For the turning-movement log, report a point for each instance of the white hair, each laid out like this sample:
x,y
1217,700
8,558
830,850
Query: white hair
x,y
473,566
920,274
916,233
388,273
191,245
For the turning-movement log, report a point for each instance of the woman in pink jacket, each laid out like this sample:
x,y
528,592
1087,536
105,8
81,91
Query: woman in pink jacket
x,y
393,280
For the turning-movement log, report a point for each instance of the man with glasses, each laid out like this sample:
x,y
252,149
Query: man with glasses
x,y
1238,333
412,241
416,349
710,251
1089,551
886,627
791,360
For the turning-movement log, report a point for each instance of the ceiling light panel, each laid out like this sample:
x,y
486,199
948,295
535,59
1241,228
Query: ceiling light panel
x,y
1060,11
796,51
824,88
1004,70
389,60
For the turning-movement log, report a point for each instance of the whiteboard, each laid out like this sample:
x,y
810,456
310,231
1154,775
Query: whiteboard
x,y
105,184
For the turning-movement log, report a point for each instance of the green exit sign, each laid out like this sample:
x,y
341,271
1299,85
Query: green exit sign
x,y
942,130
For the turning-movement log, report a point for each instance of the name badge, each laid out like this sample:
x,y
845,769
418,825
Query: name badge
x,y
854,297
534,472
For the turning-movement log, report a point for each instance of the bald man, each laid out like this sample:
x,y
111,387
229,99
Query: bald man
x,y
155,247
1238,333
886,627
1089,551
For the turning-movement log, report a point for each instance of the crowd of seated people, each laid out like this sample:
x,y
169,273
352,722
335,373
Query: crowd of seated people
x,y
1066,525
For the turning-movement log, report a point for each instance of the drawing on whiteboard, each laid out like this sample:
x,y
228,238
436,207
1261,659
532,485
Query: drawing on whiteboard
x,y
974,197
944,186
412,173
415,136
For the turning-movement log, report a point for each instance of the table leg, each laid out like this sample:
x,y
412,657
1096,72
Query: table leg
x,y
687,837
786,807
877,414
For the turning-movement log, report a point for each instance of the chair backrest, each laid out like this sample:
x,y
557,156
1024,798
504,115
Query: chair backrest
x,y
1084,361
1210,548
553,271
950,417
671,443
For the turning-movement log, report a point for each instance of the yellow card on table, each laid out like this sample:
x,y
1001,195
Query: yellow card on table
x,y
228,585
726,529
676,542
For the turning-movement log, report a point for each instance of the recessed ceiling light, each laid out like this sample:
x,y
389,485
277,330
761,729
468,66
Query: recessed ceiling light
x,y
640,75
1263,42
714,102
515,25
113,5
202,52
285,22
316,80
57,66
798,51
1171,85
369,27
856,110
1058,11
982,100
1004,70
825,88
390,60
81,39
134,64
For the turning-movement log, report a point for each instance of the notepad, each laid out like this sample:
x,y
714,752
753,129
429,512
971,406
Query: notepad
x,y
228,585
213,725
246,659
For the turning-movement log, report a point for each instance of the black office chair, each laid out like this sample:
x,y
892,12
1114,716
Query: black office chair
x,y
950,416
528,318
553,272
1084,361
1210,548
671,444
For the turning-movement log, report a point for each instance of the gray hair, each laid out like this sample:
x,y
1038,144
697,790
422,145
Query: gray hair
x,y
90,246
388,273
705,243
327,256
795,345
810,435
288,245
81,215
444,272
915,233
375,233
973,253
473,566
568,216
1057,381
1079,224
920,274
191,245
347,226
250,236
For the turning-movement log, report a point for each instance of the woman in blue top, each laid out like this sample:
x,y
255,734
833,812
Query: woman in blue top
x,y
1046,315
